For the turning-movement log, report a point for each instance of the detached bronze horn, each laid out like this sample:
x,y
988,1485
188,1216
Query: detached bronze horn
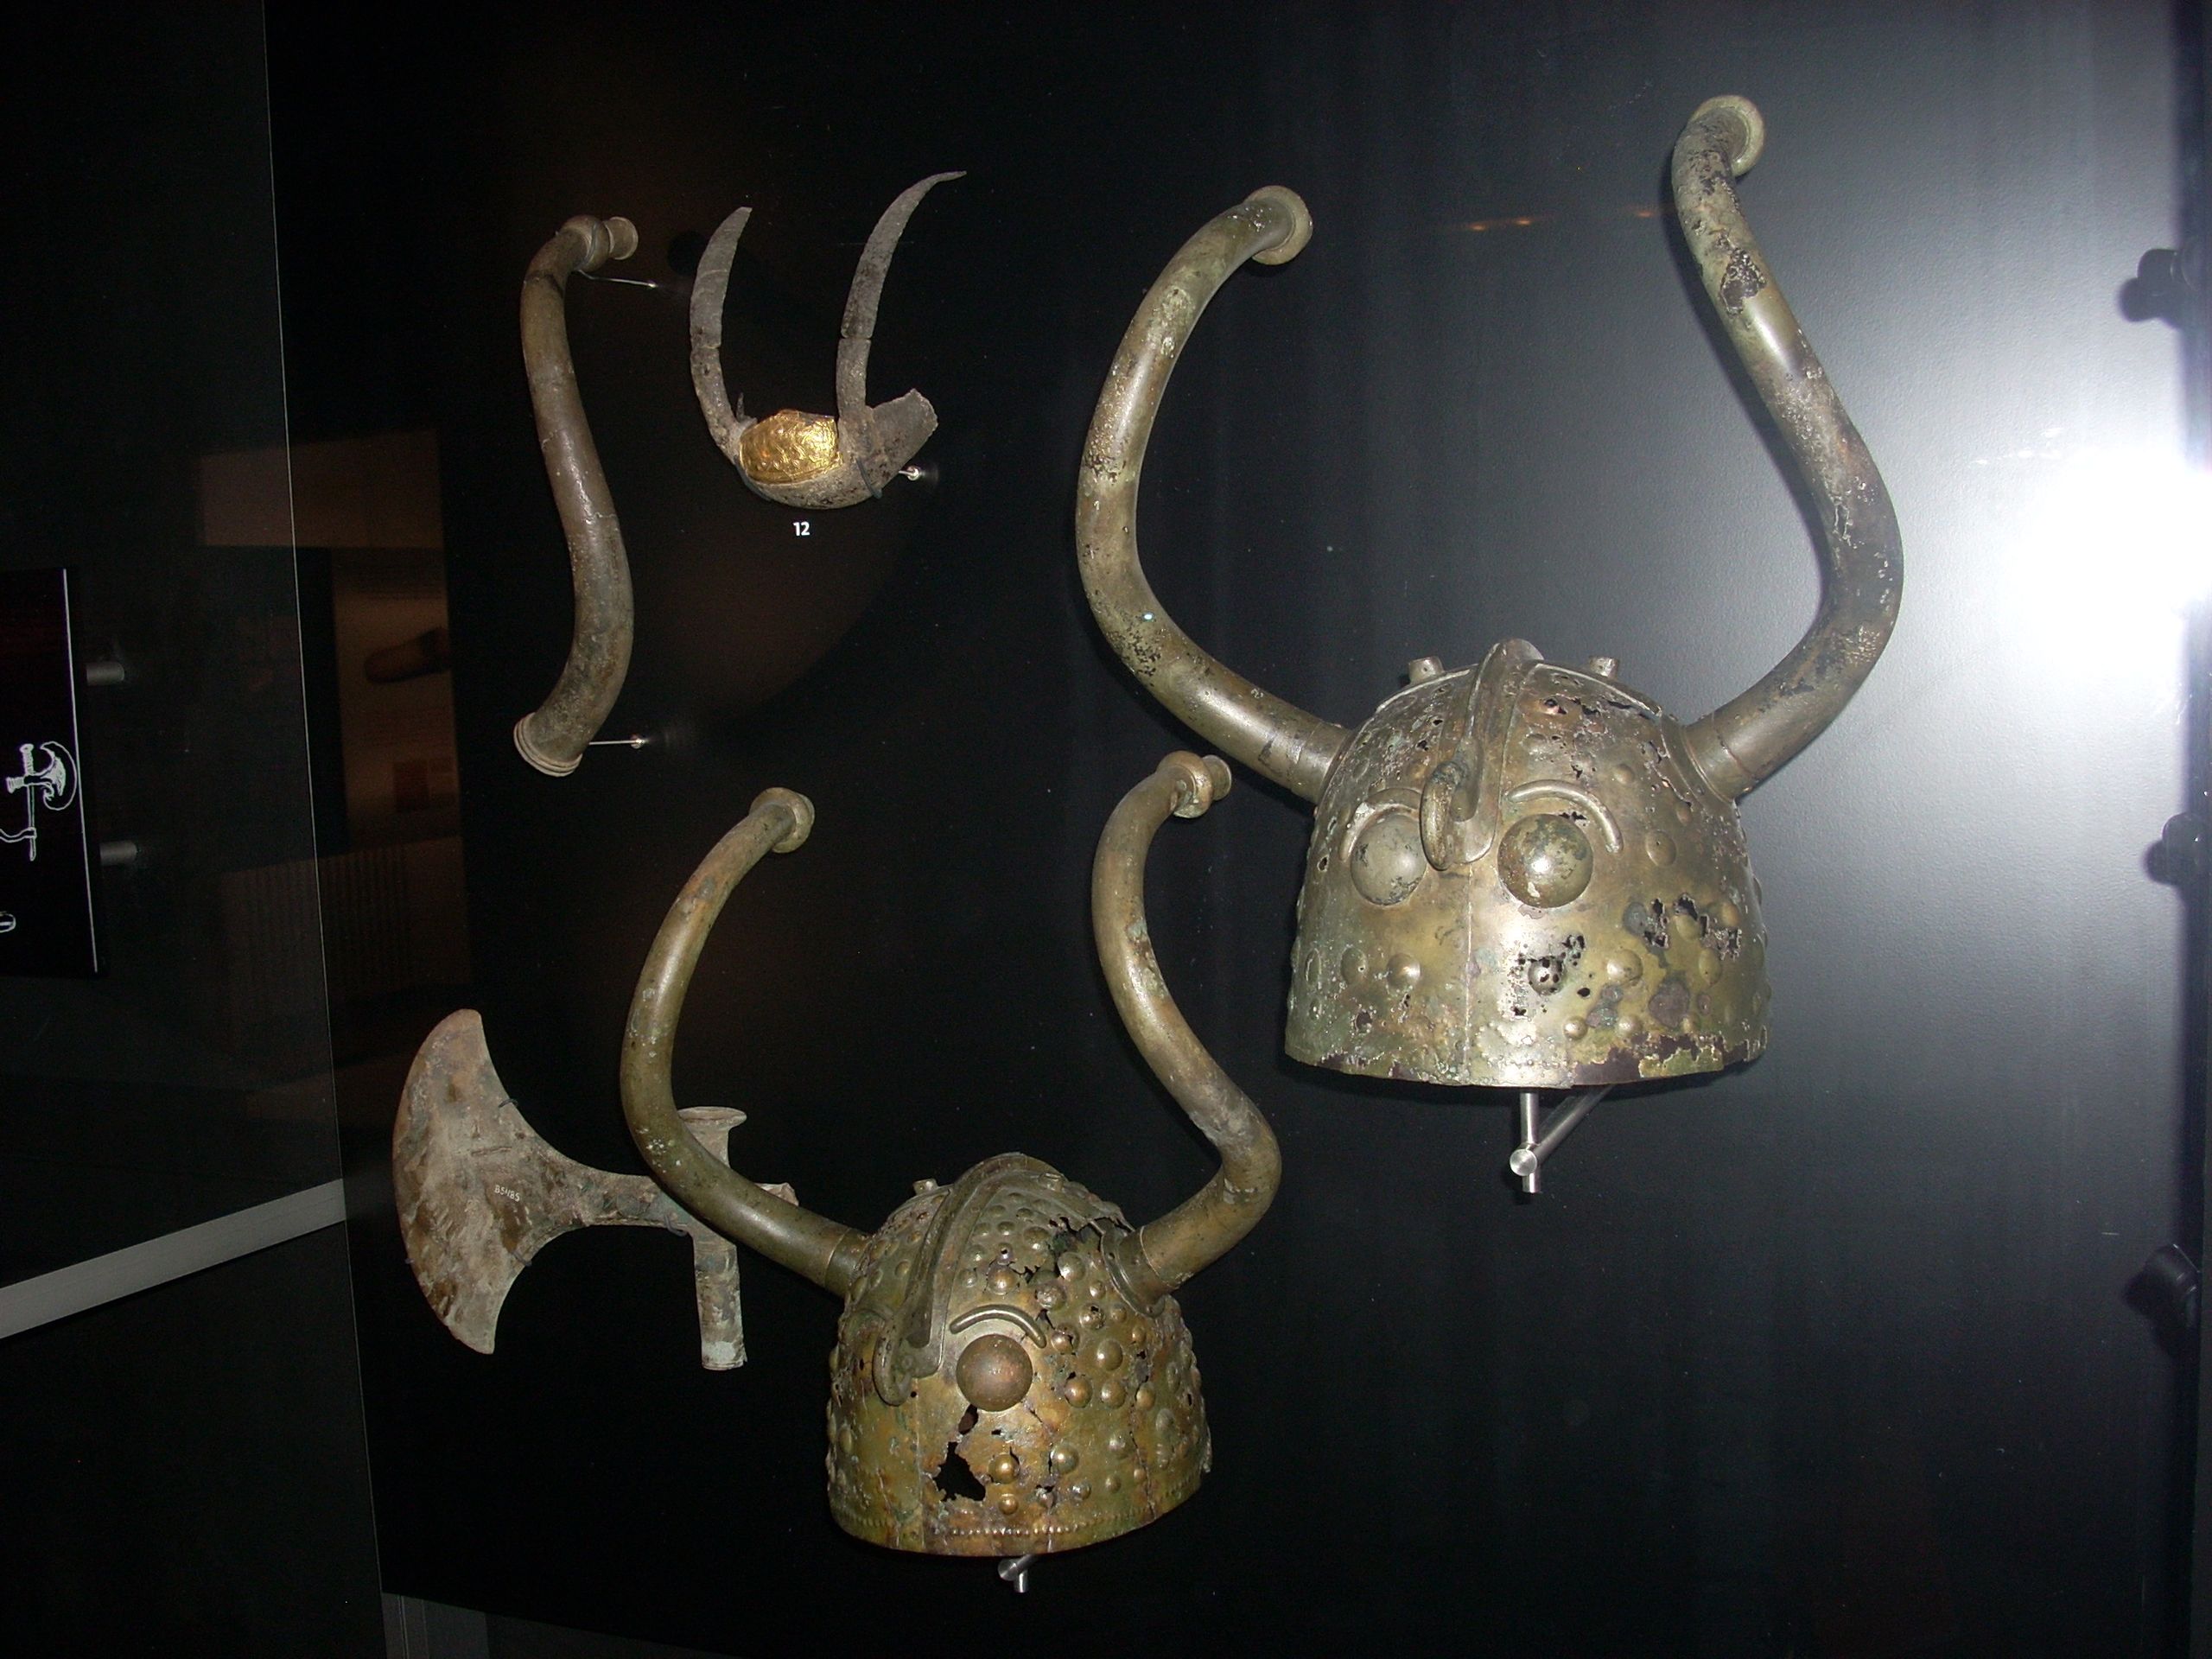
x,y
797,459
552,736
1521,874
1011,1376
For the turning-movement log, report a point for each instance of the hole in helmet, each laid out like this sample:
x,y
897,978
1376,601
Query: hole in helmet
x,y
954,1478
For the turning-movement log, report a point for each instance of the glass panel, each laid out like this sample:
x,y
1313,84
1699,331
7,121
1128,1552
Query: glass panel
x,y
1832,1353
142,448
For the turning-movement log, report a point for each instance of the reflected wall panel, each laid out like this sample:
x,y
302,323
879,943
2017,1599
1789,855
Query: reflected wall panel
x,y
191,1078
184,1469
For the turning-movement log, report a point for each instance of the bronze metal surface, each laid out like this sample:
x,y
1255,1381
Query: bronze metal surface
x,y
1749,739
797,459
1206,1225
1011,1376
552,736
821,1249
1044,1406
1521,875
1515,880
479,1195
1274,737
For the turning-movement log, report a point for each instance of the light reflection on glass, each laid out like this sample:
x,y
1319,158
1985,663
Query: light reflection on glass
x,y
2108,538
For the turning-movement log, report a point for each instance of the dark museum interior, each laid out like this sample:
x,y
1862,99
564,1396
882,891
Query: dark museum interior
x,y
1858,1319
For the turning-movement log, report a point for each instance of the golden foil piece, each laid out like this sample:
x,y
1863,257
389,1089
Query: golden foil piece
x,y
790,447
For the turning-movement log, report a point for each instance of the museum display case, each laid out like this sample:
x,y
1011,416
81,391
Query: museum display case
x,y
1875,1335
1834,1348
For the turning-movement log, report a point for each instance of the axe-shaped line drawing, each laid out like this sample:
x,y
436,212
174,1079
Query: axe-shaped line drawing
x,y
51,783
481,1193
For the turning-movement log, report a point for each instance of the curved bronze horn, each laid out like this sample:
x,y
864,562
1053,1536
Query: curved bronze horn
x,y
821,1249
802,459
1273,737
1204,1226
553,735
1744,741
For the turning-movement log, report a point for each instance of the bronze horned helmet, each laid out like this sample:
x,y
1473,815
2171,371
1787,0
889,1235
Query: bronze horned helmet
x,y
1521,874
1011,1374
802,461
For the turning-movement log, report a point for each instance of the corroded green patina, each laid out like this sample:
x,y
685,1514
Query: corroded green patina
x,y
1521,874
1011,1374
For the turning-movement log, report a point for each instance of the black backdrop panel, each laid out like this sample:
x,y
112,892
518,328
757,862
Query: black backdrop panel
x,y
1831,1354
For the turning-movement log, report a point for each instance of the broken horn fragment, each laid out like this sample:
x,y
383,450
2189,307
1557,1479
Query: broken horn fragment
x,y
792,457
552,737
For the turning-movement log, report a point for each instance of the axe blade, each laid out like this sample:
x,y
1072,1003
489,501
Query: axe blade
x,y
481,1193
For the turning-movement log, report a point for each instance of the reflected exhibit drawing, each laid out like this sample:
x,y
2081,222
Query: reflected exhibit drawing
x,y
47,924
46,776
1521,875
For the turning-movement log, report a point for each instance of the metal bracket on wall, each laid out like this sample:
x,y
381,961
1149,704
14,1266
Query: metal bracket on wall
x,y
1540,1136
2169,284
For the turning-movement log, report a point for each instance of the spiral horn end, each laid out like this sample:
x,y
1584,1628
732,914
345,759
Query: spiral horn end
x,y
1206,779
1745,115
801,811
1274,199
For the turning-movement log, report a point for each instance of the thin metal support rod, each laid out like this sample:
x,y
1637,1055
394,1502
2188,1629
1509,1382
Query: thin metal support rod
x,y
1525,1163
1016,1571
1540,1137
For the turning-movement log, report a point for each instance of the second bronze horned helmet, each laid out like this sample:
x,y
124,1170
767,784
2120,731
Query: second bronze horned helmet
x,y
1012,1374
1521,874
